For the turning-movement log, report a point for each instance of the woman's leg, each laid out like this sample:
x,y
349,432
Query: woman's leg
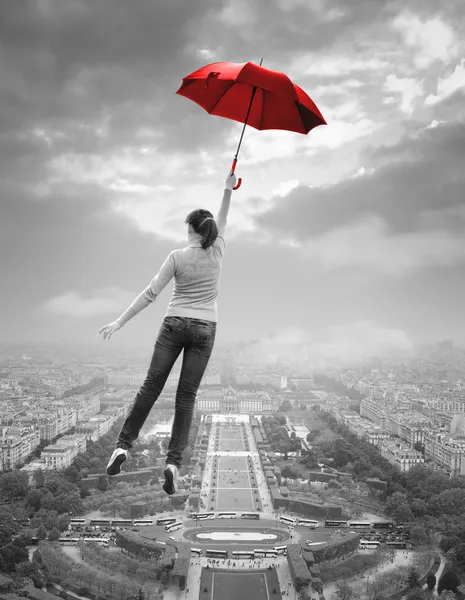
x,y
195,360
168,346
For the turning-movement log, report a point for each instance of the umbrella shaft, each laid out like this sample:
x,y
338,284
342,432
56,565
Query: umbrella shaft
x,y
245,123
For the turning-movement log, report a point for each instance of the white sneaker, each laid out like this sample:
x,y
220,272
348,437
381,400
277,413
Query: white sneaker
x,y
114,464
171,479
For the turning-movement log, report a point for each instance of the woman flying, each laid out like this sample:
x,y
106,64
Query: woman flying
x,y
189,325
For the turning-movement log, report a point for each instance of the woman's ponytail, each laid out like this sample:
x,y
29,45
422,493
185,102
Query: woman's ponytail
x,y
204,224
209,232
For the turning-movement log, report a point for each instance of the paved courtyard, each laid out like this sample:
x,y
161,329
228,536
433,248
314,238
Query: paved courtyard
x,y
223,585
231,486
233,463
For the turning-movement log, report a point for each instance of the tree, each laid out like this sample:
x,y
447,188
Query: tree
x,y
398,507
290,472
41,533
285,406
72,474
39,478
27,569
447,595
417,594
54,535
431,581
34,500
317,585
13,485
344,592
448,581
419,535
102,484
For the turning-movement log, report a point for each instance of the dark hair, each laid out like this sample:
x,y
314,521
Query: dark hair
x,y
203,223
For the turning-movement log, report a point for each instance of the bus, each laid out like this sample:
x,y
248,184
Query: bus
x,y
166,521
77,521
369,544
307,523
196,551
250,515
310,543
226,515
281,549
336,523
360,525
383,525
216,553
101,522
398,545
243,554
173,526
68,541
265,553
288,520
100,541
121,522
143,522
202,516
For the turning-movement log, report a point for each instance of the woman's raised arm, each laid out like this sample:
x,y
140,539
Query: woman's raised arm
x,y
222,217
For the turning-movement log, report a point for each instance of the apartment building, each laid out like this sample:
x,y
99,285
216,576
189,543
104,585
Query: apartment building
x,y
407,427
95,427
11,449
447,451
56,457
374,411
16,443
76,443
362,428
137,379
401,456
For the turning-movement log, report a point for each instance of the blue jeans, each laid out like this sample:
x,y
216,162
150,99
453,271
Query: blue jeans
x,y
197,338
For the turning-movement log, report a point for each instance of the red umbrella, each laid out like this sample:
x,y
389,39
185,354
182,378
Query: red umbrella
x,y
253,95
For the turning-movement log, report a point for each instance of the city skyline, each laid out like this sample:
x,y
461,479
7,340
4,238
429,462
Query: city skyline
x,y
350,238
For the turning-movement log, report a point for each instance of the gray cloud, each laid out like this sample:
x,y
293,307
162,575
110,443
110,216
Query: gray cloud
x,y
412,179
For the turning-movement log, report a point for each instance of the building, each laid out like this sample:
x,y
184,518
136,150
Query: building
x,y
95,427
374,410
76,443
137,379
56,457
401,456
11,449
457,425
408,427
446,451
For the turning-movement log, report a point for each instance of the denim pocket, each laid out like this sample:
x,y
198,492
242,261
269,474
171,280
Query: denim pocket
x,y
174,324
205,329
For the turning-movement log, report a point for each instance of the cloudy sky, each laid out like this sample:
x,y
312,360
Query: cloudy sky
x,y
354,233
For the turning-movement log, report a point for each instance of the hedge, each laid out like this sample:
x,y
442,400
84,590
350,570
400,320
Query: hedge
x,y
181,564
144,547
298,567
336,549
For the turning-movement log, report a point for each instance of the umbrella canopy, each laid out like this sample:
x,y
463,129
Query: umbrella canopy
x,y
248,93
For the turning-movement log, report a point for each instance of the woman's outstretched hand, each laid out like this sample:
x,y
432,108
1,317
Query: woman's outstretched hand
x,y
231,181
110,329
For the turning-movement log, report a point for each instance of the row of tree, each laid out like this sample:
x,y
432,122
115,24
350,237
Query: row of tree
x,y
278,436
83,579
428,501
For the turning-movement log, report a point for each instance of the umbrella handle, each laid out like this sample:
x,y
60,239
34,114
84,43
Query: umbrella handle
x,y
239,179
